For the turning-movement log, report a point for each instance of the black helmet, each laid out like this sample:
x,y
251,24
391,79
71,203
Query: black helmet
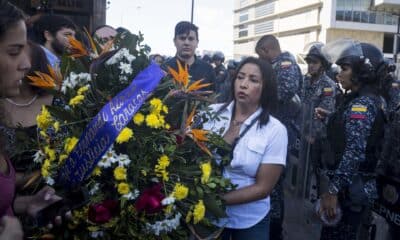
x,y
364,59
232,64
218,56
206,58
314,51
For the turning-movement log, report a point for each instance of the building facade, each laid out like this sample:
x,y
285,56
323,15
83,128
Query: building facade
x,y
297,23
84,13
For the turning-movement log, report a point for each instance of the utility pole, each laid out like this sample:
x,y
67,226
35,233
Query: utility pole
x,y
191,16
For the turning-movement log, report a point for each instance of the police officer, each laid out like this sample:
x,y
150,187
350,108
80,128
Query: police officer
x,y
221,74
289,80
355,131
318,91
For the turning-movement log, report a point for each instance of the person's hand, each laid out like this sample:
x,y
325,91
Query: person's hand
x,y
10,229
321,113
328,205
42,199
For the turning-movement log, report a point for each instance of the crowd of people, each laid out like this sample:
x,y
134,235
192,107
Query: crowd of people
x,y
343,125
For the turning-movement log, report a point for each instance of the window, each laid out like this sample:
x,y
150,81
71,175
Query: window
x,y
265,9
264,27
243,3
243,33
244,16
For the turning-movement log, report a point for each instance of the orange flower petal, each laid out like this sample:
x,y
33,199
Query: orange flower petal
x,y
199,134
203,147
189,119
197,85
91,41
42,80
77,48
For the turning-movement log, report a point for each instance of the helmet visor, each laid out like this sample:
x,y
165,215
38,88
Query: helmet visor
x,y
341,50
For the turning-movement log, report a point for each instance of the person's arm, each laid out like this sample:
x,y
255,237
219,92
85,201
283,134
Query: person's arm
x,y
266,178
10,229
288,80
327,102
34,203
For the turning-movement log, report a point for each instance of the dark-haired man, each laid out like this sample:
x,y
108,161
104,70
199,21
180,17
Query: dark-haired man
x,y
186,40
52,33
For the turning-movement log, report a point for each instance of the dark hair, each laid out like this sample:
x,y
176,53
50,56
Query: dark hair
x,y
9,15
269,92
184,27
51,23
39,62
270,39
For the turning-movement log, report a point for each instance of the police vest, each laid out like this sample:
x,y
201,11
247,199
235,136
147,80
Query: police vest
x,y
337,138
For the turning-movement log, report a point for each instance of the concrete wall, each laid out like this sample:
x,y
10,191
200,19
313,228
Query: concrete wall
x,y
375,38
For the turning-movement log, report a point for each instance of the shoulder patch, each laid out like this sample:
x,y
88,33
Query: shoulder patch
x,y
358,112
395,85
328,91
358,108
286,64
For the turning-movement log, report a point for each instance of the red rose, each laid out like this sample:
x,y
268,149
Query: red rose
x,y
179,139
150,200
102,212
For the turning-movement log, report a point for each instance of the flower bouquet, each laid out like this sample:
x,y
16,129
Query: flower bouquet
x,y
129,135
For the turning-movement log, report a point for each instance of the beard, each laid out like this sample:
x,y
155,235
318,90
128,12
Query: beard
x,y
58,47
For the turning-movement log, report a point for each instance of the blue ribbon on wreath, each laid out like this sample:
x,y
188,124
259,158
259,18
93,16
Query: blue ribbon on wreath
x,y
102,131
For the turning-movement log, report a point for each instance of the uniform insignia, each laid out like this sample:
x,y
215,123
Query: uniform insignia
x,y
395,85
358,112
328,91
286,64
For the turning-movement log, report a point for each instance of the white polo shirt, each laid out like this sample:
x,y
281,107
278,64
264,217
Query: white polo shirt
x,y
265,145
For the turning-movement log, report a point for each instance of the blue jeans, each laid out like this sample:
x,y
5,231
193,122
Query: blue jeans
x,y
260,231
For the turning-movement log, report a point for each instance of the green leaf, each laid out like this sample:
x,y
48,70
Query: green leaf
x,y
212,205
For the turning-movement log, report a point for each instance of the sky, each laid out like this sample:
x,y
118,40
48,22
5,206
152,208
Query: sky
x,y
156,19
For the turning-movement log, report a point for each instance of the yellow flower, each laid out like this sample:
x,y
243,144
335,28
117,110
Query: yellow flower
x,y
138,119
62,158
198,212
76,100
123,188
188,216
83,89
156,105
168,209
96,171
124,135
153,121
120,173
206,172
167,126
56,126
144,173
45,168
160,168
165,109
70,144
180,191
50,153
44,119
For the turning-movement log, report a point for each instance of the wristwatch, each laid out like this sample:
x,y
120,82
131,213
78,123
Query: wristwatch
x,y
332,189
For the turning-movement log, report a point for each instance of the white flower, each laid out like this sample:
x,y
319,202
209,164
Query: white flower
x,y
39,156
166,225
125,68
168,200
132,195
50,181
123,160
74,80
94,189
108,158
97,234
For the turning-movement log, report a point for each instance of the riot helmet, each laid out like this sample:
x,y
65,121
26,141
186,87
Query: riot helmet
x,y
350,52
218,56
313,51
232,64
207,58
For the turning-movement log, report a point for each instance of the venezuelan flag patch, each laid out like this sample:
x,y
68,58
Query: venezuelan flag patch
x,y
328,91
358,112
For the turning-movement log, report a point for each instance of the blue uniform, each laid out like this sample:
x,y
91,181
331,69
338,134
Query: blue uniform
x,y
360,122
320,93
289,81
394,96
